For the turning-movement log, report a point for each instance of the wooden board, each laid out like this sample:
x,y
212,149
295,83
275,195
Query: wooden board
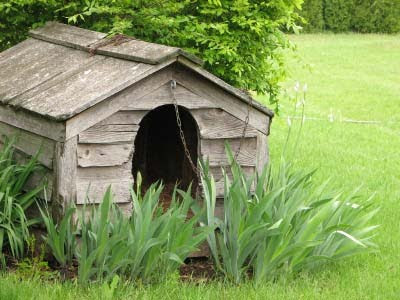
x,y
106,137
262,152
105,173
30,143
92,191
163,96
218,124
214,150
64,191
100,155
220,181
132,117
44,176
97,113
113,128
33,123
66,35
228,102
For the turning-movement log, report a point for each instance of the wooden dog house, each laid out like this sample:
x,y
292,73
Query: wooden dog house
x,y
102,109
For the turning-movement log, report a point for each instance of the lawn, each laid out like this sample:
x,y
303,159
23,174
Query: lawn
x,y
350,78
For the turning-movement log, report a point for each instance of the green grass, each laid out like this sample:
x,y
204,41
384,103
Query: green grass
x,y
352,77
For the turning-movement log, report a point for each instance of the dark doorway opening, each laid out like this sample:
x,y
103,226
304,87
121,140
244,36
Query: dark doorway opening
x,y
159,153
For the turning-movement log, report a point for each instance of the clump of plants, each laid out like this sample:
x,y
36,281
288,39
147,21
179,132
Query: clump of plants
x,y
280,222
14,202
149,245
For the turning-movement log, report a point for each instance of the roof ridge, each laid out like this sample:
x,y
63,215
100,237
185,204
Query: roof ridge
x,y
132,49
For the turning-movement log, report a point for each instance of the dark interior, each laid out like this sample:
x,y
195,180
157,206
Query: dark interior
x,y
159,153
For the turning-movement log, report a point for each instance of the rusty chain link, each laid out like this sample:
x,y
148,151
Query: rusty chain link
x,y
182,135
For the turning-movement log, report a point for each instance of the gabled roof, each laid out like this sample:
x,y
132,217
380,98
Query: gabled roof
x,y
55,74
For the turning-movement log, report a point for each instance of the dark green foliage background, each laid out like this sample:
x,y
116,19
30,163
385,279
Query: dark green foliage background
x,y
240,41
365,16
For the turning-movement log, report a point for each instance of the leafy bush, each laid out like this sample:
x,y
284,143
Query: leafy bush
x,y
354,15
149,245
286,225
14,202
337,15
312,12
376,16
61,238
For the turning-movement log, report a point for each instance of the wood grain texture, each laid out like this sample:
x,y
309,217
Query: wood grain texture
x,y
105,173
108,107
163,96
99,155
225,86
262,152
33,123
214,150
30,143
128,117
92,191
113,128
218,124
64,191
220,181
228,102
66,35
106,137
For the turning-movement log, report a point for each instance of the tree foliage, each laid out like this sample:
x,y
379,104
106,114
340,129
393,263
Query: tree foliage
x,y
240,41
352,15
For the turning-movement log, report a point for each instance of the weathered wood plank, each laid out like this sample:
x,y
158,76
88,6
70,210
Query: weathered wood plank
x,y
132,117
220,181
97,155
225,86
84,89
105,173
218,124
64,190
114,128
223,99
29,122
45,177
262,151
143,85
214,150
30,143
28,68
66,35
106,137
126,209
93,191
163,96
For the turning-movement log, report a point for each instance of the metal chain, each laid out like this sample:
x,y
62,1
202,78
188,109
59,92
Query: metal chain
x,y
246,123
182,135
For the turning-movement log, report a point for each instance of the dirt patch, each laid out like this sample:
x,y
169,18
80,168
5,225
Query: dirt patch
x,y
198,269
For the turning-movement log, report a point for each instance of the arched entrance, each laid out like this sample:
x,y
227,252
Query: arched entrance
x,y
159,153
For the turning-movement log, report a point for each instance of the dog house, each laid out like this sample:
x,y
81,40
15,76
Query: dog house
x,y
101,109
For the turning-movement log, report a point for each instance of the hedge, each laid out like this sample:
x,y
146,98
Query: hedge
x,y
365,16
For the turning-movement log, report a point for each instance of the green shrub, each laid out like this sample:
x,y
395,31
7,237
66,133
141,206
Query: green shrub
x,y
61,238
337,15
149,245
287,224
355,15
312,12
376,16
14,202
